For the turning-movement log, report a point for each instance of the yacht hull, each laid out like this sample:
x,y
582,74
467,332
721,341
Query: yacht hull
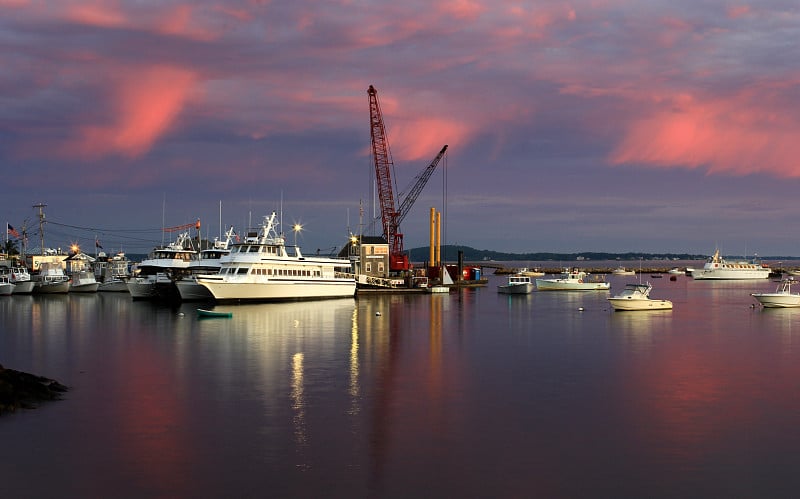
x,y
641,304
279,290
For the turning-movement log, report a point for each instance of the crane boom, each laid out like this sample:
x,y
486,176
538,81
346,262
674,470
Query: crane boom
x,y
415,191
383,166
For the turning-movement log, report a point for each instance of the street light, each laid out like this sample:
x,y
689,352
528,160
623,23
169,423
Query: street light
x,y
297,227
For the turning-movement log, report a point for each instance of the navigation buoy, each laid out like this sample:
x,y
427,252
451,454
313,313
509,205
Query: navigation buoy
x,y
580,309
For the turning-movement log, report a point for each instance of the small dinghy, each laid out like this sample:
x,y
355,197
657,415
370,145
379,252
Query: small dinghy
x,y
201,313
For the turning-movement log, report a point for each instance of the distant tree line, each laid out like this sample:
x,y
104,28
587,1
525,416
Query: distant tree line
x,y
450,254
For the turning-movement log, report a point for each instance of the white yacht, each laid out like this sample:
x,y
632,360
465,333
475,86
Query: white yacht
x,y
155,275
623,271
261,268
208,261
718,268
637,297
781,298
573,280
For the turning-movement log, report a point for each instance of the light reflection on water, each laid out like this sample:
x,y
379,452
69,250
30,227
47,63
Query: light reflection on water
x,y
472,393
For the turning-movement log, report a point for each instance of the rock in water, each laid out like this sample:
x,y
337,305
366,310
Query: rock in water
x,y
22,390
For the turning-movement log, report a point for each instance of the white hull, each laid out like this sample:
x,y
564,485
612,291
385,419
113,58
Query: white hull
x,y
141,288
639,304
516,289
570,285
23,287
84,288
778,300
279,290
6,289
113,286
730,274
51,287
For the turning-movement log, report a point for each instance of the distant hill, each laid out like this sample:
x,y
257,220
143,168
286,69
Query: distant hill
x,y
450,254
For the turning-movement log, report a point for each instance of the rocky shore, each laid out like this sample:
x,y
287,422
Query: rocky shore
x,y
20,390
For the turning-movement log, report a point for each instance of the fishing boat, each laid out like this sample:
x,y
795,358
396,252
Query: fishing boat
x,y
573,279
82,279
6,286
782,297
637,297
718,268
20,278
516,285
262,268
112,273
50,278
525,271
201,313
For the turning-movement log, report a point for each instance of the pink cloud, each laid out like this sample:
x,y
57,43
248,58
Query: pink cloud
x,y
423,138
148,102
738,11
95,14
750,132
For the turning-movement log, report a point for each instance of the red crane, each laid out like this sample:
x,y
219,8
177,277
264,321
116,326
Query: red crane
x,y
390,214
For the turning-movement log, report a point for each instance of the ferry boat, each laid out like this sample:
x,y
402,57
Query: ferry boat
x,y
573,280
261,268
718,268
156,274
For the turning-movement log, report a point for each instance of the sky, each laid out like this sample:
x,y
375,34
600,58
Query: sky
x,y
587,125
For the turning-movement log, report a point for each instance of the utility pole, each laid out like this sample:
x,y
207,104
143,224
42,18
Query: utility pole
x,y
41,226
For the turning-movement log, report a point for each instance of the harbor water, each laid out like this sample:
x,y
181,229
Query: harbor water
x,y
466,394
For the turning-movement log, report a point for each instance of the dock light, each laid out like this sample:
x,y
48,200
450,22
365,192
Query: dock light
x,y
74,248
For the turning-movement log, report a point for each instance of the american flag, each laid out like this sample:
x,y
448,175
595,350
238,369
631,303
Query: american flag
x,y
12,231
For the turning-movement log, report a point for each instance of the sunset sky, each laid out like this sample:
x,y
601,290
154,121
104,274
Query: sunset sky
x,y
586,125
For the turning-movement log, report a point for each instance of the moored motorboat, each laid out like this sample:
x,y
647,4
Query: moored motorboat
x,y
259,268
525,271
623,271
516,285
782,297
637,297
718,268
6,286
112,273
50,278
20,278
573,280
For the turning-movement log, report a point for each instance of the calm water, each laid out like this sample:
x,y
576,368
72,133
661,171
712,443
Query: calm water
x,y
471,394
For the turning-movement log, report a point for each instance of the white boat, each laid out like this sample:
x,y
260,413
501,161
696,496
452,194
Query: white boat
x,y
718,268
261,269
516,285
675,271
623,271
530,272
156,274
82,279
637,297
112,273
50,278
20,278
6,286
573,280
782,297
208,261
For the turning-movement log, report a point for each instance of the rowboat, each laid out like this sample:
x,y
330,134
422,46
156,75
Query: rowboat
x,y
201,313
